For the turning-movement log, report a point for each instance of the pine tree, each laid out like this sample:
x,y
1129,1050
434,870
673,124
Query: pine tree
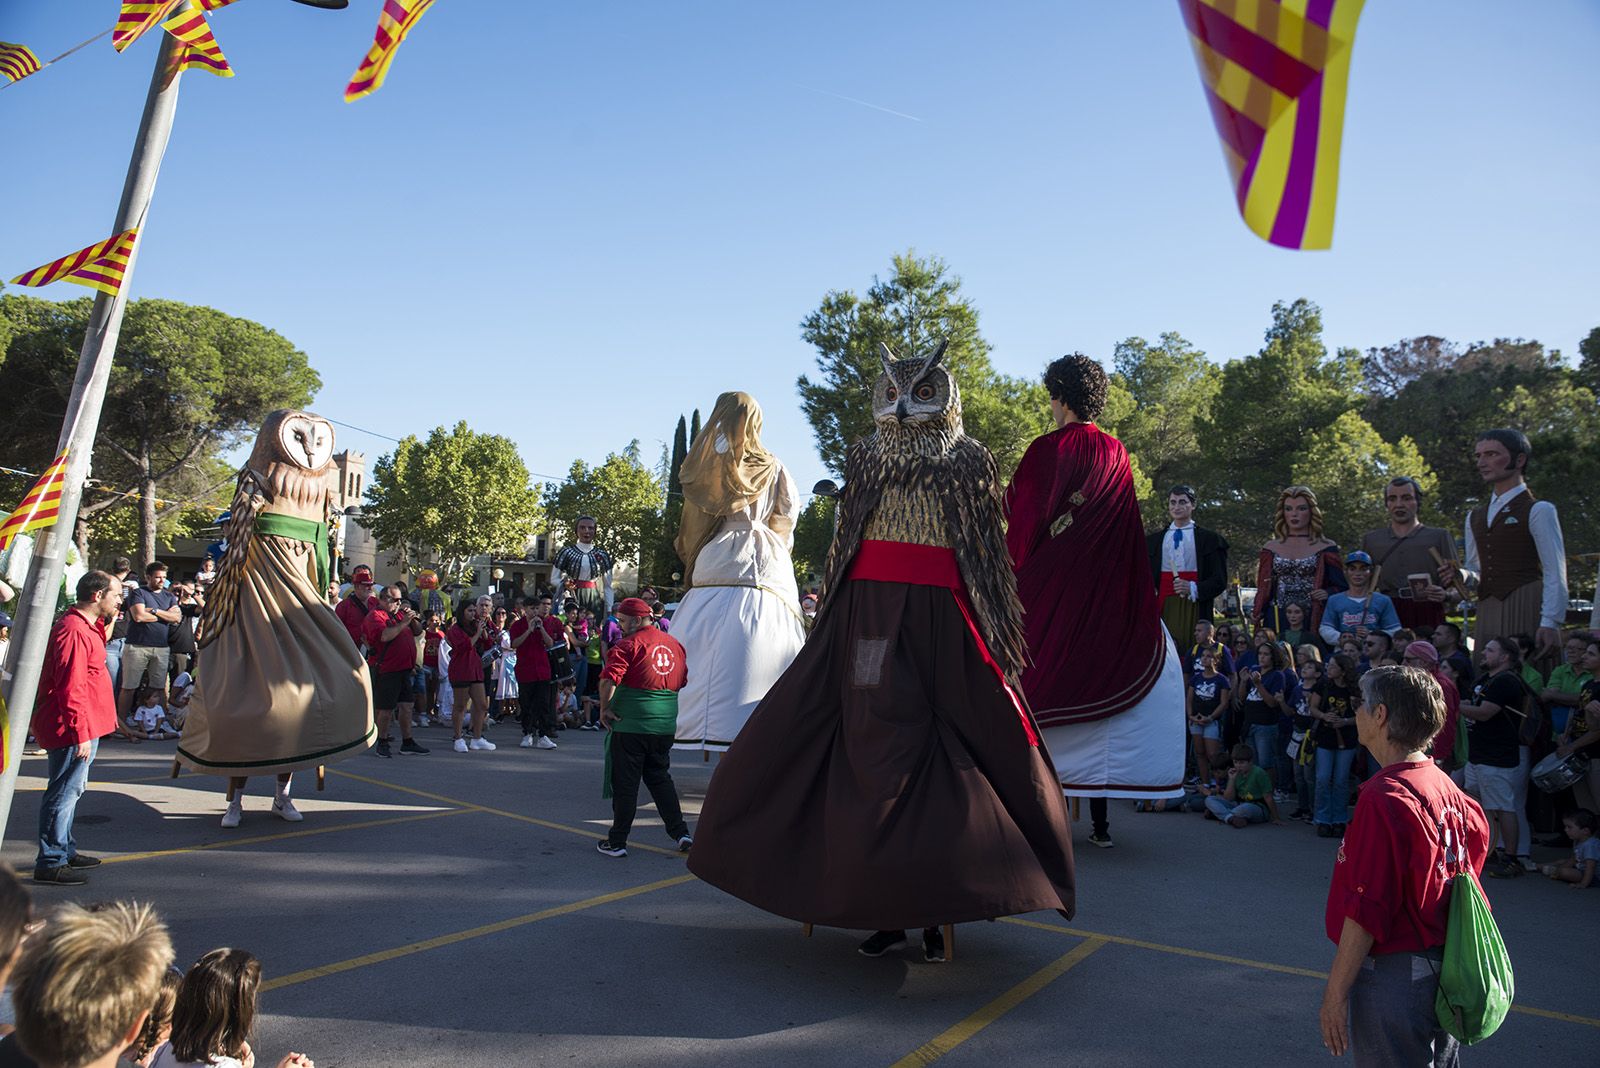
x,y
694,426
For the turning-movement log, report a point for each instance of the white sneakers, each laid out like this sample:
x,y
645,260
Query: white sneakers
x,y
481,744
459,745
526,743
283,808
544,743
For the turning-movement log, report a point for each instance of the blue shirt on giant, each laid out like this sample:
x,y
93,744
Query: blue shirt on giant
x,y
149,634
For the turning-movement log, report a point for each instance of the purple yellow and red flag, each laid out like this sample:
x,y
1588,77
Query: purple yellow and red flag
x,y
200,48
1275,74
136,18
18,61
394,23
100,266
40,507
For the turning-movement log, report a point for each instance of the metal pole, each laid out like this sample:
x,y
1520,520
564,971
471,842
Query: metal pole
x,y
37,606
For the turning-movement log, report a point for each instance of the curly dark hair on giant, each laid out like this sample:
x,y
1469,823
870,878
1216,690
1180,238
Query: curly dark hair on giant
x,y
1079,383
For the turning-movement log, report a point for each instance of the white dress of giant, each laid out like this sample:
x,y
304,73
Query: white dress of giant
x,y
740,624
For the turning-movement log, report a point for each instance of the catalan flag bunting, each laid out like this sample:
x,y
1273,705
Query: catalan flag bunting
x,y
18,61
136,17
100,266
212,5
40,507
200,48
394,22
1275,74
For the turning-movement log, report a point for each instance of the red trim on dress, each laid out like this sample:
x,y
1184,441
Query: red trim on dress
x,y
932,565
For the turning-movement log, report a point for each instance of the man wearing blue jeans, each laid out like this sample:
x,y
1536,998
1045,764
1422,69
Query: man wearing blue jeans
x,y
76,709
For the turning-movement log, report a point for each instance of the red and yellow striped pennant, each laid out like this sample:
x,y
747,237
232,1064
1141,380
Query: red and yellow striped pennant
x,y
394,23
40,507
100,266
200,48
18,61
136,17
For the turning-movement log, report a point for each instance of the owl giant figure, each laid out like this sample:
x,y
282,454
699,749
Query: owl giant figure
x,y
893,777
279,685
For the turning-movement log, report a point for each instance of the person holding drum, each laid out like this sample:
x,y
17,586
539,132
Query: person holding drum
x,y
1582,735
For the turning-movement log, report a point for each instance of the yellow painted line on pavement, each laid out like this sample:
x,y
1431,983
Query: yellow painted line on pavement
x,y
234,843
473,932
942,1044
587,832
1259,965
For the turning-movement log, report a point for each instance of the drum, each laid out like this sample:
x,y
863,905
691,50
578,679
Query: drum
x,y
1553,774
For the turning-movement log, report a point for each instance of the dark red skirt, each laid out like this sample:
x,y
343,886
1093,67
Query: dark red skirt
x,y
888,780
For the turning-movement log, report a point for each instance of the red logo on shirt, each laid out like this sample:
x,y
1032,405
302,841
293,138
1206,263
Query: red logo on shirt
x,y
663,660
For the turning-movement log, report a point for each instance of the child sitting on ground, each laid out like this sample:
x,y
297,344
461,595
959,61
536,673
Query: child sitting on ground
x,y
1580,825
1248,796
178,699
568,712
149,719
86,983
215,1013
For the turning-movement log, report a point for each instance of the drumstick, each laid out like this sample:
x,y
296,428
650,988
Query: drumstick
x,y
1440,561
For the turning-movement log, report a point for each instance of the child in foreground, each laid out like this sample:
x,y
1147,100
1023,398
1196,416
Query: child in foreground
x,y
1248,797
214,1015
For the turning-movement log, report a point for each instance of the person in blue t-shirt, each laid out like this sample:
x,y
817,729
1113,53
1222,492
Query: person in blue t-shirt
x,y
1207,696
1265,687
1360,609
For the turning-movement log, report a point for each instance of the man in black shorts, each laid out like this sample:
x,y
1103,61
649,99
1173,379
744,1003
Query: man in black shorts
x,y
391,631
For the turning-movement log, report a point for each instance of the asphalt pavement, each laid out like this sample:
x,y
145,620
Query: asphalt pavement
x,y
451,909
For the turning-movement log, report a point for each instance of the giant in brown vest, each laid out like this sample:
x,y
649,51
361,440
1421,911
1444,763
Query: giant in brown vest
x,y
1508,558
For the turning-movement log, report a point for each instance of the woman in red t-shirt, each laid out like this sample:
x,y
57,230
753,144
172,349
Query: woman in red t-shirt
x,y
466,675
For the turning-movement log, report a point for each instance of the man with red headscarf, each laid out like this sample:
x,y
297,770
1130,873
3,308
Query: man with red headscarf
x,y
1106,683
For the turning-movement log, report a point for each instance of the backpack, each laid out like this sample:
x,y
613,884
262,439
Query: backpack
x,y
1476,984
1533,730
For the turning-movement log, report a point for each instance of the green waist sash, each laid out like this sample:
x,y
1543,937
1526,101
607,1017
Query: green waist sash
x,y
640,712
313,534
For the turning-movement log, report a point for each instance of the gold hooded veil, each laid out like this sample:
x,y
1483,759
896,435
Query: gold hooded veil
x,y
725,472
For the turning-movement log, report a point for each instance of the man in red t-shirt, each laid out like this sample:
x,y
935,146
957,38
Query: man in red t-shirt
x,y
1389,902
531,642
639,706
352,611
76,709
391,633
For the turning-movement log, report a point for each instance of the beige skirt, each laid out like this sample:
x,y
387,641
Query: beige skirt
x,y
1501,617
282,687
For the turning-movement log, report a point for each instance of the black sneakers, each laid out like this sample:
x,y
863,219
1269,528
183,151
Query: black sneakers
x,y
881,942
383,748
933,945
605,846
1102,840
65,875
410,746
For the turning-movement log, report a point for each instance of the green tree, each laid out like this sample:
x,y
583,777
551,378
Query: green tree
x,y
918,304
1589,360
454,496
187,384
664,559
623,495
813,534
1347,463
1171,387
694,426
1266,410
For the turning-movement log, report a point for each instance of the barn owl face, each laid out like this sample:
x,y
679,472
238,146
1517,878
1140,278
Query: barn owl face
x,y
913,391
306,440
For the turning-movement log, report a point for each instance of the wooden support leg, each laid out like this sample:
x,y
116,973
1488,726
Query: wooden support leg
x,y
949,941
706,755
1072,806
322,777
175,767
805,929
230,791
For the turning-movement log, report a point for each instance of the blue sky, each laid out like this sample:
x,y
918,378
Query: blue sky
x,y
570,223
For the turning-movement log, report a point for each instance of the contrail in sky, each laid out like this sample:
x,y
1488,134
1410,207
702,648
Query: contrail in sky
x,y
863,103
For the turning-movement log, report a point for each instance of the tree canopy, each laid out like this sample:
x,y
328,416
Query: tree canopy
x,y
187,384
454,496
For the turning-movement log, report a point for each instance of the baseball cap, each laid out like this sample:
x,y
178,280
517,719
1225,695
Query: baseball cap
x,y
362,574
5,620
1358,557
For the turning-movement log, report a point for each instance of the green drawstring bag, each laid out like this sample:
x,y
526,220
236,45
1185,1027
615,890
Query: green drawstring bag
x,y
1476,986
